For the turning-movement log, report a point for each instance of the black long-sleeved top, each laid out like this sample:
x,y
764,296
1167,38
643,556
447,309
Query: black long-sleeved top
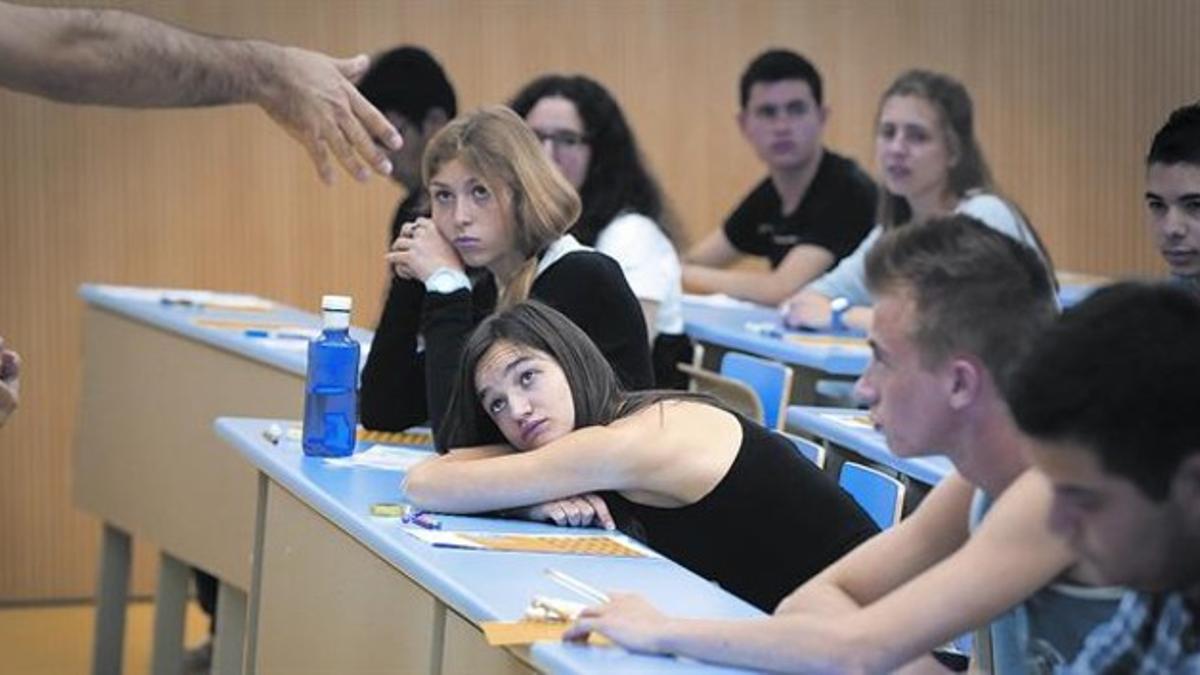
x,y
401,387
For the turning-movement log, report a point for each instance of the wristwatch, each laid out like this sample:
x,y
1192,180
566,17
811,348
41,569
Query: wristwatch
x,y
837,314
445,281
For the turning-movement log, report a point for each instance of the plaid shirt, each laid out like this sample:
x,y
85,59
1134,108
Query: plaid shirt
x,y
1149,635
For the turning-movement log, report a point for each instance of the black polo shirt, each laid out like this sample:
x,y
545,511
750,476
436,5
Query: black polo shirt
x,y
836,213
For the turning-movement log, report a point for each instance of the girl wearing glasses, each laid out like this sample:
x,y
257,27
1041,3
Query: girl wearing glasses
x,y
581,127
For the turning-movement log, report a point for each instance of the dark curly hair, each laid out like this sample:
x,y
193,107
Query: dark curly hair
x,y
617,177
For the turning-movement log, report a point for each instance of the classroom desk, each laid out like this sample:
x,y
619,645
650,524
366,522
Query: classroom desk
x,y
335,589
758,330
145,461
845,427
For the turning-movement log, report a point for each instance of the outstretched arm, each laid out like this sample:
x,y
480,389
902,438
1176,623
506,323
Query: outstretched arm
x,y
572,511
801,265
881,623
118,58
484,479
646,451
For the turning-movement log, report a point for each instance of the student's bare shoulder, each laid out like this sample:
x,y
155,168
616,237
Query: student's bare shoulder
x,y
683,410
682,420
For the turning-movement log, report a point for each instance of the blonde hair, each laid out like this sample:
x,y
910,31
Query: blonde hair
x,y
496,144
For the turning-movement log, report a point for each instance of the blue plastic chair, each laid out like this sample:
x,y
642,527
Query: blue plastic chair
x,y
815,452
735,394
880,495
771,380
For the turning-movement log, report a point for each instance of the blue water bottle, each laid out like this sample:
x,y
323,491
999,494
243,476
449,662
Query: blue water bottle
x,y
331,389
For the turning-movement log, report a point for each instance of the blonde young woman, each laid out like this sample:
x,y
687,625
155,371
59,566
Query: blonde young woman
x,y
500,213
930,164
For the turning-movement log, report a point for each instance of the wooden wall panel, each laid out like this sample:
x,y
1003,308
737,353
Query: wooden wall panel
x,y
1067,94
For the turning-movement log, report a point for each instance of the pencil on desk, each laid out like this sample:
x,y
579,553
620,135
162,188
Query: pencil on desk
x,y
576,585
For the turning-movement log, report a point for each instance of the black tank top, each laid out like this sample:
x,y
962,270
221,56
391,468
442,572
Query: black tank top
x,y
774,521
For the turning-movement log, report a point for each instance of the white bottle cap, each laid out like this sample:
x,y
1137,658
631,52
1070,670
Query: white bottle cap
x,y
336,303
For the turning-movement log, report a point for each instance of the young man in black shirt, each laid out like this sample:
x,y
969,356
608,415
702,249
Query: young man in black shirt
x,y
813,208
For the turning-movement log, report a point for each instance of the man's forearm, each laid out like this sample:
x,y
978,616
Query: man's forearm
x,y
760,287
792,643
117,58
819,598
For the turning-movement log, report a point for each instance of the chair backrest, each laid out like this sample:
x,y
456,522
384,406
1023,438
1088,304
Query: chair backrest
x,y
771,380
880,495
737,395
814,451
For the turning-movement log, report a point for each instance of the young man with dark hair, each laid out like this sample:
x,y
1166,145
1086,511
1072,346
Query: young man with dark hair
x,y
1173,194
1109,399
956,304
812,209
410,88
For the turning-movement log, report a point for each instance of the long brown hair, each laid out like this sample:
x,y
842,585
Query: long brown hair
x,y
970,172
496,144
955,113
596,394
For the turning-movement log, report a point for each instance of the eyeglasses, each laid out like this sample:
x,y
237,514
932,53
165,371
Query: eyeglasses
x,y
564,139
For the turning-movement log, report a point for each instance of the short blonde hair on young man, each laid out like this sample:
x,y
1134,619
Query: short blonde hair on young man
x,y
496,144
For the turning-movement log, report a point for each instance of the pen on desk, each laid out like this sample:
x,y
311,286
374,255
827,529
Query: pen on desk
x,y
576,585
765,328
422,519
278,335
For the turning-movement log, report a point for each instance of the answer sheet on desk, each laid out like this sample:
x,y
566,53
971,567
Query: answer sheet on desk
x,y
388,457
603,545
718,300
859,421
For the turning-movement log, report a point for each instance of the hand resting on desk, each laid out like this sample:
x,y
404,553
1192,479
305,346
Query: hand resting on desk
x,y
578,511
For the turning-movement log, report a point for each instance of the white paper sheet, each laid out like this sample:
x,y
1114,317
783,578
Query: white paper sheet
x,y
187,296
387,457
719,300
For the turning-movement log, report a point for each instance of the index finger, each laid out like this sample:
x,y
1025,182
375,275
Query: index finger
x,y
10,364
376,125
602,515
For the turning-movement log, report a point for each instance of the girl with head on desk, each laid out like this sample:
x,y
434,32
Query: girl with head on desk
x,y
539,422
582,129
931,164
500,210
